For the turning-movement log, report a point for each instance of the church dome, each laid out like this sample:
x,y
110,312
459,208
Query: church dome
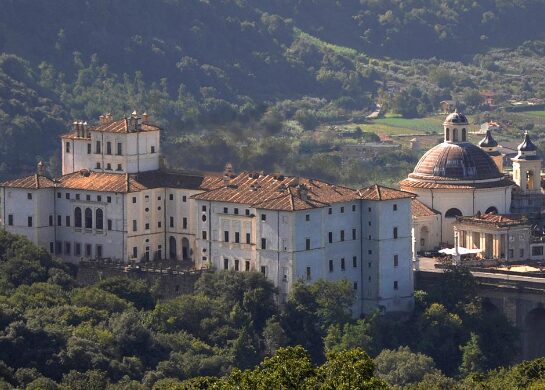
x,y
456,162
488,141
456,118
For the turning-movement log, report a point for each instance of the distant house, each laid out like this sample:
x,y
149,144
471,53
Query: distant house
x,y
447,106
489,97
490,125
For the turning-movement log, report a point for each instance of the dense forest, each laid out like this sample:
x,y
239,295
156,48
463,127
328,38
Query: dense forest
x,y
252,79
120,334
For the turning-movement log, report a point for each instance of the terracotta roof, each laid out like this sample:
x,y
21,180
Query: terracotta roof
x,y
30,182
119,126
496,220
278,192
96,181
413,183
419,209
377,192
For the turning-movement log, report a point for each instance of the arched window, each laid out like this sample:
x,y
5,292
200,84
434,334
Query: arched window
x,y
453,213
447,134
88,218
464,135
77,217
455,135
491,210
172,251
99,219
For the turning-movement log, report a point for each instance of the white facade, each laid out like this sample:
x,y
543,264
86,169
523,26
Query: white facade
x,y
113,201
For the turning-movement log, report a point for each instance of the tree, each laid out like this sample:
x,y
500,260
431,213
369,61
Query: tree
x,y
402,366
135,291
473,360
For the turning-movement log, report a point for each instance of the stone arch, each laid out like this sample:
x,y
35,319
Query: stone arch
x,y
464,135
424,236
491,210
453,213
172,248
534,337
88,218
185,249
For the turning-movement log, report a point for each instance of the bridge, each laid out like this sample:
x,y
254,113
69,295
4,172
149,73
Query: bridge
x,y
521,298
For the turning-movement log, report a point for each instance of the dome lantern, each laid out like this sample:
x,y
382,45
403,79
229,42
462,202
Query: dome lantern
x,y
455,127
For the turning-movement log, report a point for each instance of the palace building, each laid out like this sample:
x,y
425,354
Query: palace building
x,y
115,200
466,198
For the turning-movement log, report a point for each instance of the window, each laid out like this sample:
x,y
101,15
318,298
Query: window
x,y
395,232
235,211
342,209
342,235
225,263
354,261
236,265
29,221
67,147
307,217
521,252
134,199
354,235
77,249
247,265
108,167
511,253
97,147
204,235
135,252
263,217
77,196
67,195
59,220
88,218
203,209
395,207
171,222
369,252
119,167
109,199
146,226
153,149
225,210
29,196
50,220
353,207
307,244
330,237
98,251
355,285
67,248
171,197
369,209
248,238
330,265
264,270
59,195
263,243
396,286
88,148
396,260
134,225
88,250
226,236
369,265
99,219
119,148
87,197
77,217
108,147
110,223
184,198
58,247
184,223
99,198
453,213
343,265
10,219
237,237
330,210
247,212
537,251
309,274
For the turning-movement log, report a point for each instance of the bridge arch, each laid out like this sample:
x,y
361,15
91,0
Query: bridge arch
x,y
534,336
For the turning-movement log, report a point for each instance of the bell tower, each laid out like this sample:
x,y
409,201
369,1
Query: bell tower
x,y
490,146
455,128
527,167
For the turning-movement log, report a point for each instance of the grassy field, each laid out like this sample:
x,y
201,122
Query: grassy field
x,y
539,114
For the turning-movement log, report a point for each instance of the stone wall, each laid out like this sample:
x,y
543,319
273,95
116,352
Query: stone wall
x,y
168,282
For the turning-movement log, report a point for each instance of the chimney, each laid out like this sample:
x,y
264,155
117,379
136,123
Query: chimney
x,y
108,117
303,192
40,169
75,128
145,117
134,122
102,119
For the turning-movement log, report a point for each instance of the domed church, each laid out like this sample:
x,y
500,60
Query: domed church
x,y
459,179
